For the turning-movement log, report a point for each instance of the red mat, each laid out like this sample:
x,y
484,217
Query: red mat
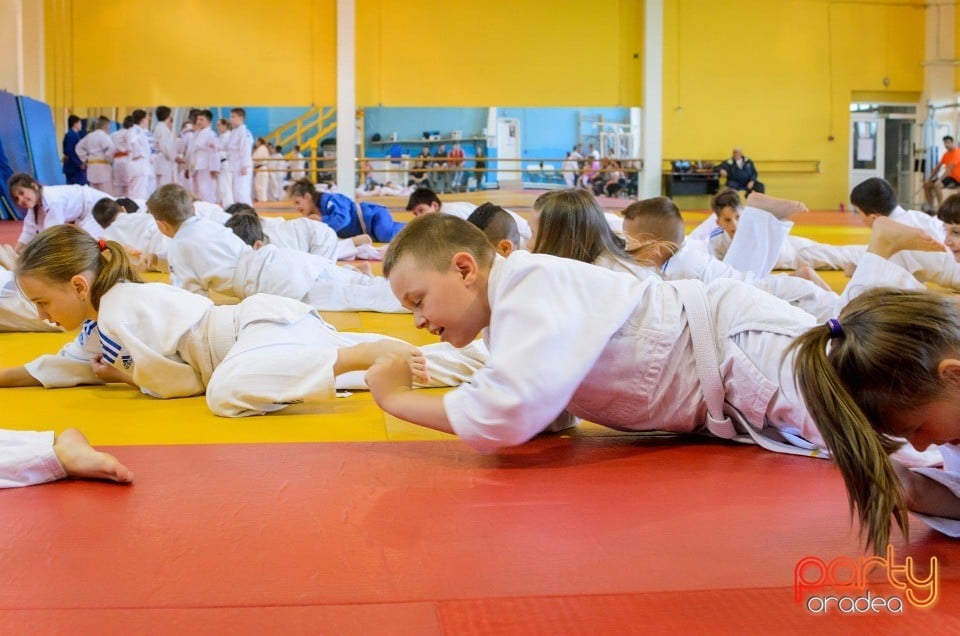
x,y
587,535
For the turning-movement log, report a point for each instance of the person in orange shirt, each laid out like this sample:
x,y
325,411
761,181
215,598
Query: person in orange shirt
x,y
951,179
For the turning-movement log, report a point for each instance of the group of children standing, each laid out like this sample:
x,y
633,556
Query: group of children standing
x,y
212,159
695,335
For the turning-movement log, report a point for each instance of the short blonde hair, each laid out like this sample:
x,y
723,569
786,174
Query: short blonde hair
x,y
171,204
433,239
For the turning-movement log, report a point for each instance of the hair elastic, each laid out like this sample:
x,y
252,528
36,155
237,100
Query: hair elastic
x,y
834,326
103,245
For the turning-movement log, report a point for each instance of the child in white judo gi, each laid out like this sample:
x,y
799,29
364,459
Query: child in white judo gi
x,y
766,229
165,161
677,356
136,230
654,229
256,357
96,151
498,226
301,235
239,149
28,458
46,206
887,366
426,201
205,256
204,159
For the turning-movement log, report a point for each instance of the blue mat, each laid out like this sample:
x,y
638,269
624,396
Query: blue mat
x,y
16,156
41,138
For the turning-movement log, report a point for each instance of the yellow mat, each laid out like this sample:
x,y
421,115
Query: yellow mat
x,y
119,415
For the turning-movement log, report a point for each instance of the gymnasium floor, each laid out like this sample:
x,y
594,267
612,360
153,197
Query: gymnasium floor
x,y
348,521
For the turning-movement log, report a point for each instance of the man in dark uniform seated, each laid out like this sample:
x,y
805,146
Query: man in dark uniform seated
x,y
741,174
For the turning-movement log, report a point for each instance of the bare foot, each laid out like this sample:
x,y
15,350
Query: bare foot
x,y
362,239
808,273
83,461
780,208
887,237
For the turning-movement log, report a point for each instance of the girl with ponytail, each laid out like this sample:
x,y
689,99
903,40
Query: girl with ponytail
x,y
255,357
888,367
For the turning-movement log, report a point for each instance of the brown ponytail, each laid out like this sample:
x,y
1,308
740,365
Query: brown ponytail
x,y
882,362
873,488
61,252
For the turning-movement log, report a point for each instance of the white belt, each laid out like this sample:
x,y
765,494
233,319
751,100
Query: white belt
x,y
693,295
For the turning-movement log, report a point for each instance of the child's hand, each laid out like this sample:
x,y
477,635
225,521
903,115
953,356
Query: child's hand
x,y
108,373
362,239
389,374
414,357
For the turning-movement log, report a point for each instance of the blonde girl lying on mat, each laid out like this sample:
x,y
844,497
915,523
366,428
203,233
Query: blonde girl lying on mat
x,y
256,357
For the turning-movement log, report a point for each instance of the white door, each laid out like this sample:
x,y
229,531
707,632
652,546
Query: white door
x,y
508,147
866,147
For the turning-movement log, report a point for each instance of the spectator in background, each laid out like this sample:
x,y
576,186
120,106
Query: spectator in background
x,y
419,177
456,164
741,174
441,177
950,162
479,168
73,168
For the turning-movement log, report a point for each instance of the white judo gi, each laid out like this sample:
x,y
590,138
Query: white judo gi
x,y
631,366
948,476
27,458
763,243
306,235
96,150
205,256
692,264
139,231
463,209
140,168
16,312
239,149
204,161
165,161
121,162
256,357
60,205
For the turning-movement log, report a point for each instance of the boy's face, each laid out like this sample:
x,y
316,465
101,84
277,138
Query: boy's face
x,y
451,304
202,122
236,120
953,239
949,144
728,219
425,208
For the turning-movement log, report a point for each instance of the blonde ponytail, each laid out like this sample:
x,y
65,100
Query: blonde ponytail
x,y
59,253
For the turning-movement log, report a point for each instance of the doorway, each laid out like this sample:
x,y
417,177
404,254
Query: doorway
x,y
508,147
882,145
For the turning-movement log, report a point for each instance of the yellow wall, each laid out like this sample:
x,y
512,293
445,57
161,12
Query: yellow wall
x,y
190,52
499,52
777,79
956,48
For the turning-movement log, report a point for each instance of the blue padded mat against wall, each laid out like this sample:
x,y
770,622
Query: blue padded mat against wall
x,y
13,141
41,138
